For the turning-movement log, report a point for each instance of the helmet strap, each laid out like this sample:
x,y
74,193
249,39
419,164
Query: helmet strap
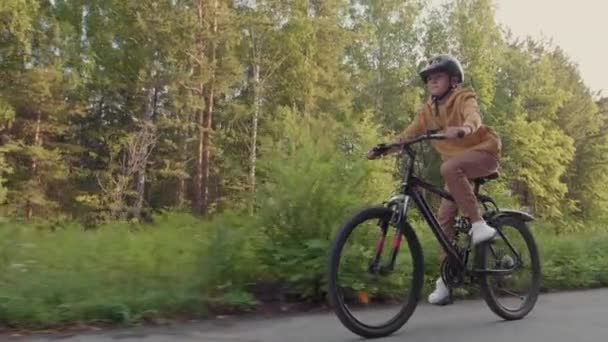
x,y
436,99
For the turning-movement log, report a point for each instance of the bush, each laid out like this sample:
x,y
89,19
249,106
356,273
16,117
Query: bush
x,y
574,261
319,177
181,265
120,273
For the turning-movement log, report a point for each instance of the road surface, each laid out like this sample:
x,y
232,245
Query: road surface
x,y
562,317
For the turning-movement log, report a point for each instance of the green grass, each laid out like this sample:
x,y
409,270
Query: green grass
x,y
118,274
179,265
574,261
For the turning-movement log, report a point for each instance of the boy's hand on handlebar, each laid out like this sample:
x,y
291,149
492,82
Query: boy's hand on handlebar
x,y
384,149
377,151
455,132
373,154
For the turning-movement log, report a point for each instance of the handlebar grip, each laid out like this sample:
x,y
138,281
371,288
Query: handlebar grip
x,y
381,148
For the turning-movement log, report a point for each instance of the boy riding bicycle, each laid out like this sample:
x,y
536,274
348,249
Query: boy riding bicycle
x,y
470,151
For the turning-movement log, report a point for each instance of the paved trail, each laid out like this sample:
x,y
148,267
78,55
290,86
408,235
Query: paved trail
x,y
562,317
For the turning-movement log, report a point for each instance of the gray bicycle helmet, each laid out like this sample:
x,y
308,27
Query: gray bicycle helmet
x,y
445,63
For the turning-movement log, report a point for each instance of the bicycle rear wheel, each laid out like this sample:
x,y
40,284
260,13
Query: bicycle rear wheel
x,y
511,284
369,298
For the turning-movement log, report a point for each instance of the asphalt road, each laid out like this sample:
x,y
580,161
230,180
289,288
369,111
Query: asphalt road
x,y
561,317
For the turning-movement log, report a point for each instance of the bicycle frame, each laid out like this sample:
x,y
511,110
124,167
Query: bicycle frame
x,y
410,191
410,188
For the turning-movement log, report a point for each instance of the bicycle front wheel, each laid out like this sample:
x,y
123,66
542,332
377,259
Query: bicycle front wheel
x,y
375,279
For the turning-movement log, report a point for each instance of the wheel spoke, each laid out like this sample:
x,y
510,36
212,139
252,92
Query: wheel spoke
x,y
493,251
517,295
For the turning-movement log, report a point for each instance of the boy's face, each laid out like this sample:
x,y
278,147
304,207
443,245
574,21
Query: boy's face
x,y
438,83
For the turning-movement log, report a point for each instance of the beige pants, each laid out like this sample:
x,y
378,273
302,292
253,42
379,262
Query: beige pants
x,y
457,173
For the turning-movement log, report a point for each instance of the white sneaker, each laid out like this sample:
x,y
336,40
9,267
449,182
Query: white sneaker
x,y
441,295
481,232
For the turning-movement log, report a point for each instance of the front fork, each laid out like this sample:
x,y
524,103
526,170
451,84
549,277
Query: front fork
x,y
399,204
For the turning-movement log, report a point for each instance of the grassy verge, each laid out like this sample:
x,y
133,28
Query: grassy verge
x,y
182,266
119,274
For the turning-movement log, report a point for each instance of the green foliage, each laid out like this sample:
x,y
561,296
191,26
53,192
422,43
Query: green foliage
x,y
81,82
79,79
5,171
538,158
574,261
382,59
17,29
478,42
7,114
120,272
317,180
123,273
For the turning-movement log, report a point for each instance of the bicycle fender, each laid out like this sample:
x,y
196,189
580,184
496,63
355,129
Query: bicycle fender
x,y
522,215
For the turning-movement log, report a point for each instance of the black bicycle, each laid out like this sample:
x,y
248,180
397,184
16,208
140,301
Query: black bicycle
x,y
374,288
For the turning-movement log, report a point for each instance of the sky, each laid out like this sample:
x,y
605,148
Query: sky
x,y
579,27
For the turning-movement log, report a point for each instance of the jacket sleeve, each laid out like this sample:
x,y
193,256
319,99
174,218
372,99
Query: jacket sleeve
x,y
415,128
471,114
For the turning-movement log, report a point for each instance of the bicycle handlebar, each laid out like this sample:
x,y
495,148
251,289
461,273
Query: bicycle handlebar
x,y
430,135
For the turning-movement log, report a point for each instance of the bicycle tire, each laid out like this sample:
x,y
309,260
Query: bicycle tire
x,y
481,254
347,319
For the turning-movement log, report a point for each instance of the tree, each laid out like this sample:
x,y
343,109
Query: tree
x,y
477,41
214,73
383,60
35,113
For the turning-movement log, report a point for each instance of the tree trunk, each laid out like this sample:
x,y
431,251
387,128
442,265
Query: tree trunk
x,y
180,196
150,108
198,187
198,178
29,210
208,122
254,129
206,151
379,103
